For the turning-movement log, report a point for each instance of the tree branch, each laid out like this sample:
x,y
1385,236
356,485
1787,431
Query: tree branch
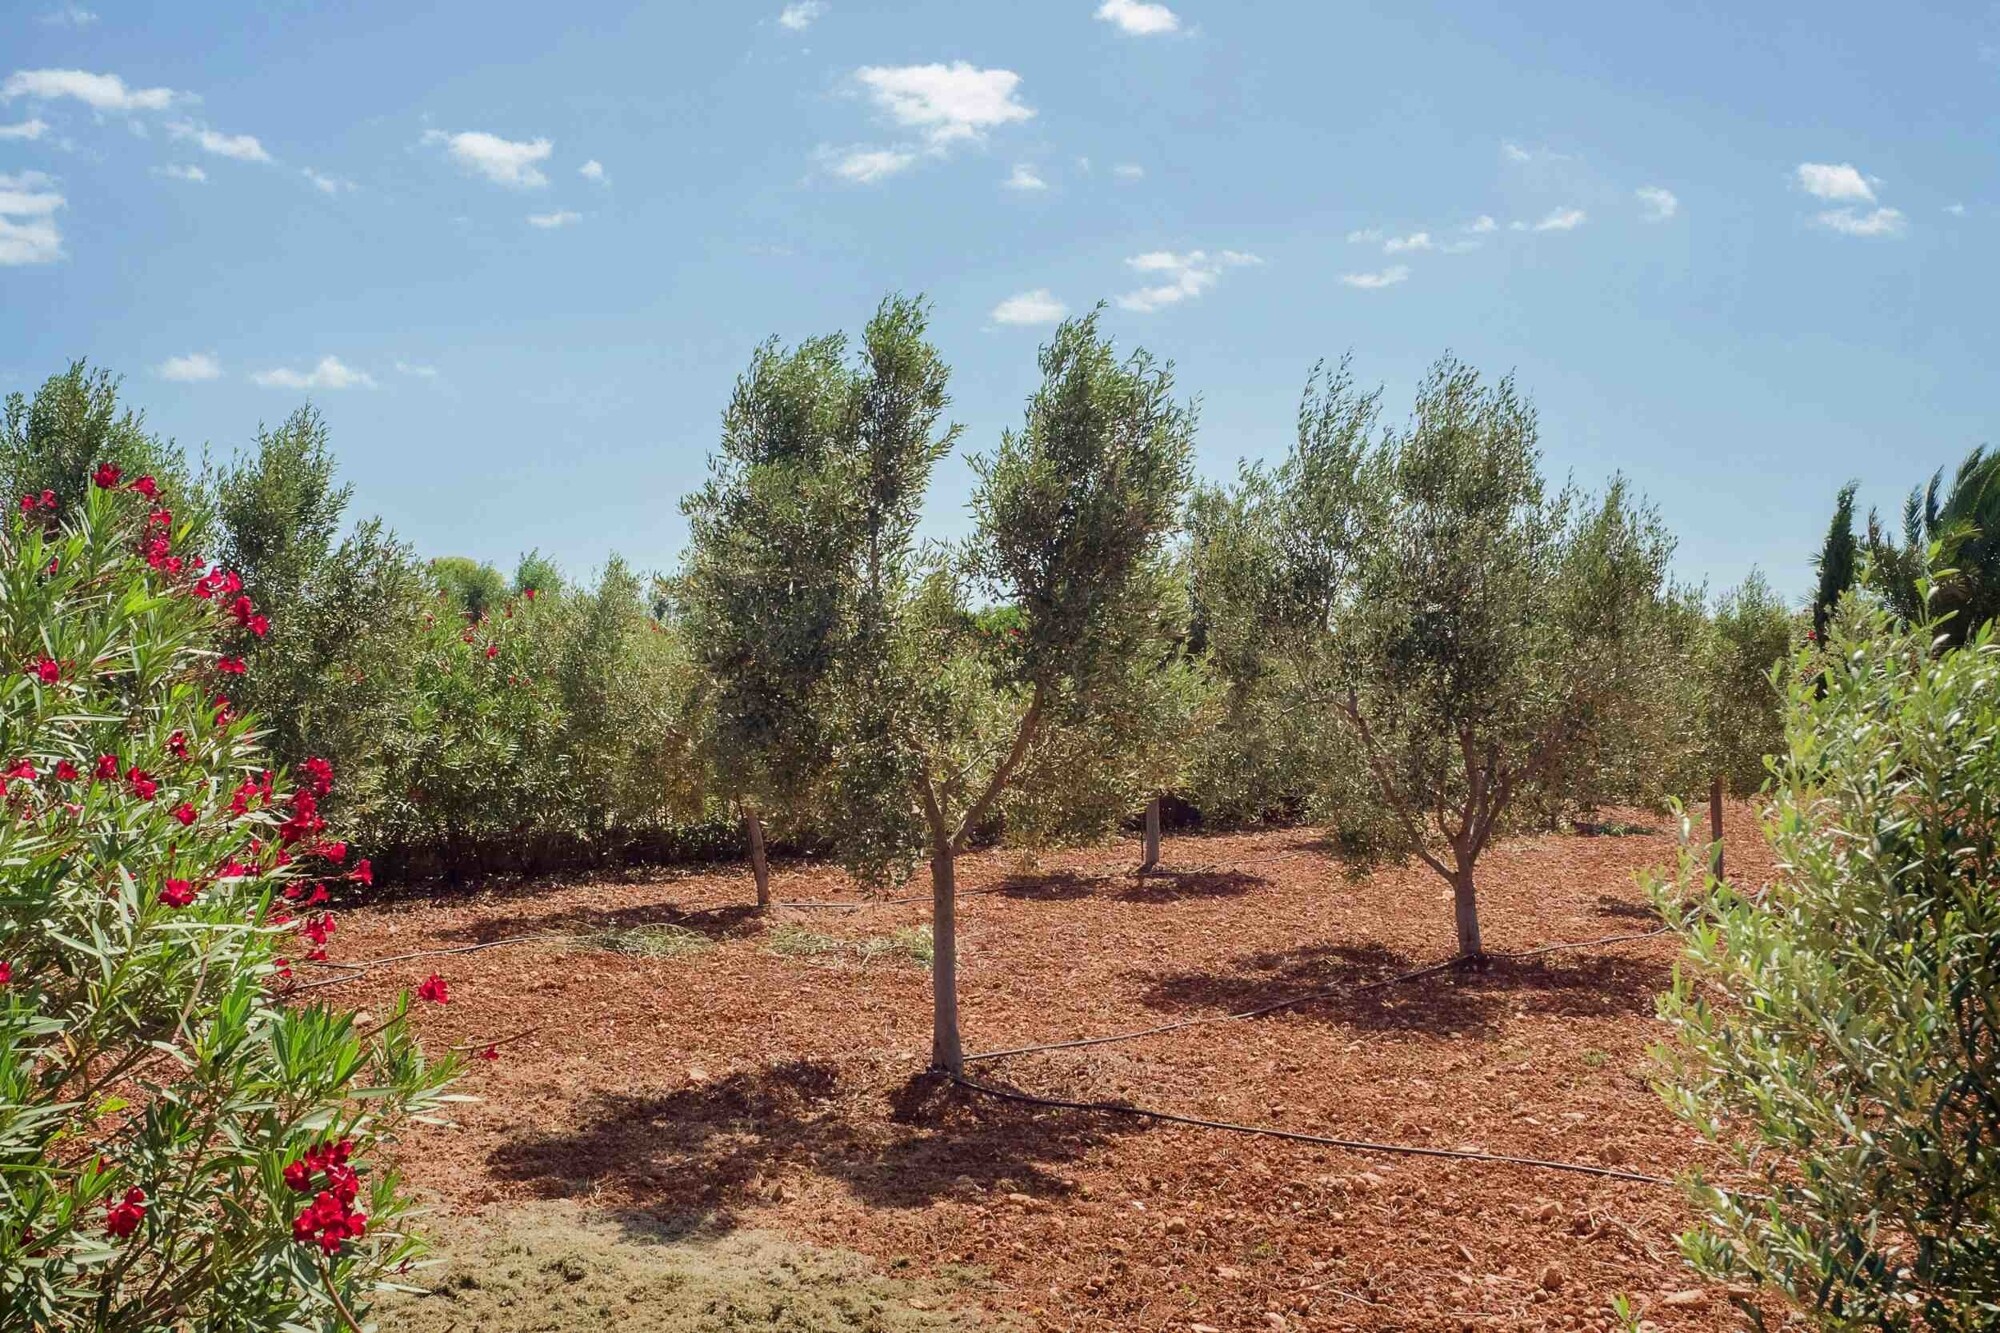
x,y
1030,722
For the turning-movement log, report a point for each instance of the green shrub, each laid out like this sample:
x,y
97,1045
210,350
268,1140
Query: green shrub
x,y
1840,1031
179,1147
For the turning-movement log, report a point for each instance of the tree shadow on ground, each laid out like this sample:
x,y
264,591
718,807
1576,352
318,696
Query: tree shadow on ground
x,y
1626,910
1171,886
1056,886
716,923
705,1153
1470,1000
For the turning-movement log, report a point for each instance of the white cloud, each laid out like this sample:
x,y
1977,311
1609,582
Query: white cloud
x,y
1364,236
1660,202
1459,247
69,16
192,174
326,184
947,103
1037,307
562,217
865,166
330,373
1388,277
28,235
1127,171
27,129
1025,178
798,17
1140,18
422,372
189,369
1396,245
1826,180
1184,276
1481,225
1514,152
1956,210
593,170
1850,222
1562,219
509,162
100,92
242,147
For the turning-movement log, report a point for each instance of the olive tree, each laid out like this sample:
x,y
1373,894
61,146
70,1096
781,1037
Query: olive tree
x,y
1836,1030
1480,634
794,544
944,721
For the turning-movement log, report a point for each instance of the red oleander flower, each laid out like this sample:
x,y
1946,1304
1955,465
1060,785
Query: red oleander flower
x,y
177,745
186,814
435,990
47,670
143,785
283,967
6,974
146,486
529,593
318,928
49,501
161,517
177,893
121,1219
492,651
23,769
258,625
490,1053
107,476
318,896
231,666
66,771
318,775
27,504
335,852
363,873
107,768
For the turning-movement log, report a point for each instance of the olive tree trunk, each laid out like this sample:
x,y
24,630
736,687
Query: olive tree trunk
x,y
1715,825
947,1053
1465,911
760,866
1152,857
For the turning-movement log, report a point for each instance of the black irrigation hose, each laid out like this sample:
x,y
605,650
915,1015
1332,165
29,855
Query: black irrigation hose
x,y
1306,998
1319,1140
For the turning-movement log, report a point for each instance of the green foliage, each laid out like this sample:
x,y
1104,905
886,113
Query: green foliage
x,y
1835,562
1952,542
56,440
153,1084
536,573
1838,1031
1740,719
473,589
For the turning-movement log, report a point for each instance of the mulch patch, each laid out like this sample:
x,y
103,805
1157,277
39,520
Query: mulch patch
x,y
748,1088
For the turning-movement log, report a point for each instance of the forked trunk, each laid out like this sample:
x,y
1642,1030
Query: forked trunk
x,y
1465,911
1152,857
946,1052
760,866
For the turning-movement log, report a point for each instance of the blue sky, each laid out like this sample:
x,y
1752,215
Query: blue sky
x,y
1741,253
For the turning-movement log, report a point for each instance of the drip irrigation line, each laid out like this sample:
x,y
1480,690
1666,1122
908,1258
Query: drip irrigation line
x,y
1319,1140
1307,997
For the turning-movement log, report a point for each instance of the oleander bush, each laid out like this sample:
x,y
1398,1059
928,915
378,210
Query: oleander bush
x,y
181,1144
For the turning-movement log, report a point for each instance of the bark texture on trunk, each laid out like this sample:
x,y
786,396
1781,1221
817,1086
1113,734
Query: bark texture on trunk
x,y
760,867
1152,857
1465,911
947,1053
1715,825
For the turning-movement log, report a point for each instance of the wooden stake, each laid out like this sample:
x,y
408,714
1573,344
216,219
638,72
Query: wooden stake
x,y
1152,835
1715,825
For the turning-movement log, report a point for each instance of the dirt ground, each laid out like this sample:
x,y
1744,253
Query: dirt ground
x,y
692,1072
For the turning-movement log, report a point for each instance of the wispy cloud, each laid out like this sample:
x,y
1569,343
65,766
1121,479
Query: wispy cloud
x,y
1139,18
562,217
1481,225
326,184
241,147
946,103
865,166
1025,177
1387,277
509,162
798,17
69,16
1956,210
593,171
1562,219
1839,181
1128,171
1182,277
1039,306
1364,236
1853,222
1524,154
1417,240
1658,202
27,129
416,370
189,369
330,373
28,204
190,173
100,92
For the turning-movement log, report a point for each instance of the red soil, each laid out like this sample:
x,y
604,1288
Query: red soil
x,y
746,1088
